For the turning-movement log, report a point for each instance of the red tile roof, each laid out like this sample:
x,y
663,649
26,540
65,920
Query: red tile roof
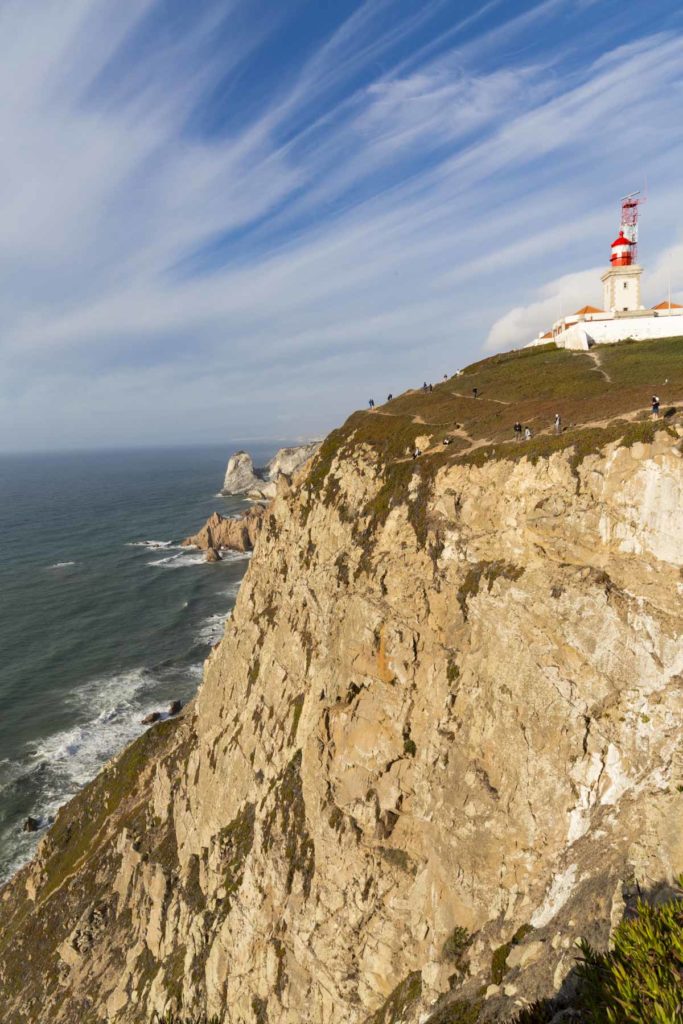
x,y
668,305
588,309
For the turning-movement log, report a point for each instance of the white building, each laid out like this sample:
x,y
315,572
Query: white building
x,y
622,317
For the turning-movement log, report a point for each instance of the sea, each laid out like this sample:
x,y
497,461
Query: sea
x,y
103,616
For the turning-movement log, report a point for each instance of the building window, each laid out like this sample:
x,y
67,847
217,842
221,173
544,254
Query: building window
x,y
625,284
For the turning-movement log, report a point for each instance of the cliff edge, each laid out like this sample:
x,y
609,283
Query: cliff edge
x,y
439,741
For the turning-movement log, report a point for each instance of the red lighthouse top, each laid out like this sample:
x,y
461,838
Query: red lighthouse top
x,y
622,252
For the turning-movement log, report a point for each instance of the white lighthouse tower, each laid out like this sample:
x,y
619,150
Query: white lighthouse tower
x,y
622,317
621,283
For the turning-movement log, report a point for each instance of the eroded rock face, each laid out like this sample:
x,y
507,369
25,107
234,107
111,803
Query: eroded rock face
x,y
289,460
242,478
239,474
221,532
452,740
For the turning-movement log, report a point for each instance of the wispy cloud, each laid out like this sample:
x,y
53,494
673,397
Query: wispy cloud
x,y
359,222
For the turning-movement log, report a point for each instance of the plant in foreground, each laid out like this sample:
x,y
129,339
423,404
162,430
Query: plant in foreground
x,y
640,980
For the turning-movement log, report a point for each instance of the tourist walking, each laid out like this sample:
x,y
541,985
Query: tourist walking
x,y
518,431
655,407
558,423
371,403
527,434
475,392
389,397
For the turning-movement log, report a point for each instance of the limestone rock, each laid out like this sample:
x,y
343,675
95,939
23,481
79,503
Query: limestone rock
x,y
242,478
151,718
237,534
30,824
420,735
175,707
213,555
288,460
239,474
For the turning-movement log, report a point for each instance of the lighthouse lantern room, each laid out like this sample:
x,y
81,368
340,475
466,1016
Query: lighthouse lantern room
x,y
621,283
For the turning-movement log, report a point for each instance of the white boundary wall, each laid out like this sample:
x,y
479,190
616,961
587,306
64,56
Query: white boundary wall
x,y
610,331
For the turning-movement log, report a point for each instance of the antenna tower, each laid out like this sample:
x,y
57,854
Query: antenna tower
x,y
629,220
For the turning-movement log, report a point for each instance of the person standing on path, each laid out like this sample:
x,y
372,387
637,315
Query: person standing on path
x,y
371,403
475,392
518,431
527,434
558,423
655,407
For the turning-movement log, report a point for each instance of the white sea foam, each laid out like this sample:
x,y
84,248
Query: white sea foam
x,y
62,565
153,544
211,629
115,707
182,560
111,711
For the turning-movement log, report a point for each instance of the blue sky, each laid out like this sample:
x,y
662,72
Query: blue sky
x,y
242,218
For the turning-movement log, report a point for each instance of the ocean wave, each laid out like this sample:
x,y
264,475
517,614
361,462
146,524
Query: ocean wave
x,y
56,767
182,560
114,707
212,628
153,544
61,565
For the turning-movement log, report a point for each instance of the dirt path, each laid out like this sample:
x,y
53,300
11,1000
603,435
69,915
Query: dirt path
x,y
481,397
595,356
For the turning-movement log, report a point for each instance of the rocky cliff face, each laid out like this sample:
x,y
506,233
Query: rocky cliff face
x,y
439,741
242,478
236,534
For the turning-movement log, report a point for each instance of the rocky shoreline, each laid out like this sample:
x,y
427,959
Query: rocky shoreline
x,y
239,533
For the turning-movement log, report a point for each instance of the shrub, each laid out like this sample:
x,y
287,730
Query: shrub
x,y
640,980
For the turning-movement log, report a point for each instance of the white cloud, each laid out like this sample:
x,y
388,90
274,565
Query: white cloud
x,y
555,299
340,236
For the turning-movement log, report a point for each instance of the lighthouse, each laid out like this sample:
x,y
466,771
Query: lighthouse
x,y
621,283
622,316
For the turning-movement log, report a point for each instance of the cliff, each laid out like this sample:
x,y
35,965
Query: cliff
x,y
236,534
242,478
439,741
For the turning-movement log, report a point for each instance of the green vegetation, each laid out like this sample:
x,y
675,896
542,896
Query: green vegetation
x,y
641,978
287,817
602,396
500,955
489,572
74,832
400,1002
462,1011
454,951
236,841
297,706
399,858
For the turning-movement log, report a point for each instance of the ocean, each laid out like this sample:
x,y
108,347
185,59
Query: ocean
x,y
103,617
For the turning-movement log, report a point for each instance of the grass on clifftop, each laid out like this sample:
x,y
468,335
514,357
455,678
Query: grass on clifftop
x,y
602,396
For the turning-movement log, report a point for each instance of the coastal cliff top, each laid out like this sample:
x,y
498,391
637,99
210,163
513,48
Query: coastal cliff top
x,y
602,395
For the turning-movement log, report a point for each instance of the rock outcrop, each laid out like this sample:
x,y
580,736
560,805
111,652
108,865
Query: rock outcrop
x,y
239,474
466,726
238,534
242,478
439,741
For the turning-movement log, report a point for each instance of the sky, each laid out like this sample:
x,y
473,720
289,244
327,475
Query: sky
x,y
241,219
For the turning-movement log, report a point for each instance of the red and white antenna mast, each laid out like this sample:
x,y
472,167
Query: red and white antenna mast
x,y
629,220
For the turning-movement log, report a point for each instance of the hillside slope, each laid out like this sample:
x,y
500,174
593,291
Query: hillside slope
x,y
439,741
